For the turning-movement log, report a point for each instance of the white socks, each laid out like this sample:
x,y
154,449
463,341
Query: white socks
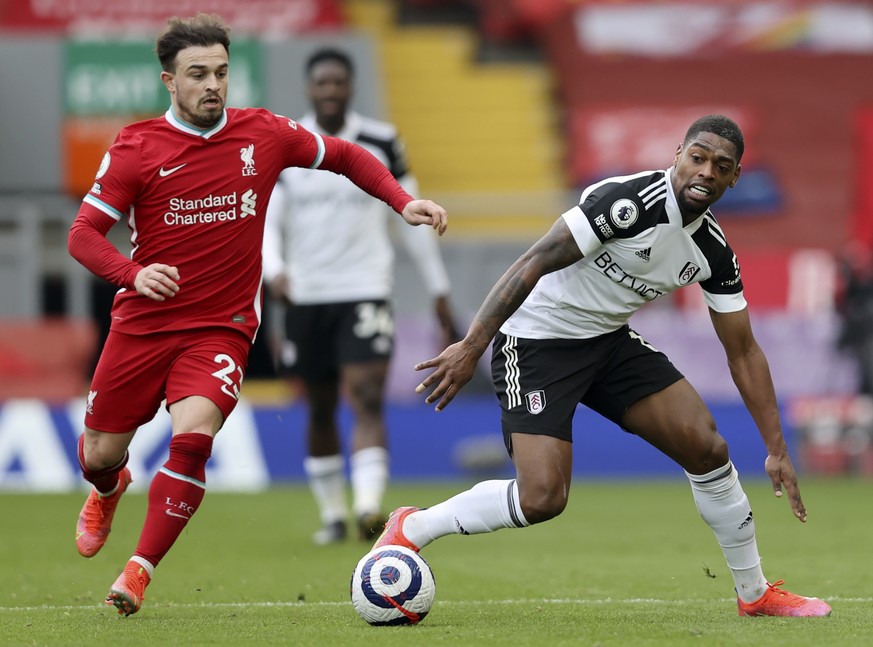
x,y
725,507
720,499
369,474
486,507
327,480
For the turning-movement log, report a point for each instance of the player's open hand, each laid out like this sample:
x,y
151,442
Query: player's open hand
x,y
455,367
781,473
157,281
425,212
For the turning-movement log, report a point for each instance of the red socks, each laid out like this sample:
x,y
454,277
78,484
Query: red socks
x,y
175,493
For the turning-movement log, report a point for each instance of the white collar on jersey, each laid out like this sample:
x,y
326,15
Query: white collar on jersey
x,y
349,131
178,124
672,207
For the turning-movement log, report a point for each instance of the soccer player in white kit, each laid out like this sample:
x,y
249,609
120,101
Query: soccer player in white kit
x,y
559,322
329,257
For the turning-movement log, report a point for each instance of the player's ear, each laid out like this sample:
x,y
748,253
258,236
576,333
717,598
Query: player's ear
x,y
736,179
169,81
678,153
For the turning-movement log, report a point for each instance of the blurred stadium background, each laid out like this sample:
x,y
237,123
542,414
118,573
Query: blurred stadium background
x,y
508,108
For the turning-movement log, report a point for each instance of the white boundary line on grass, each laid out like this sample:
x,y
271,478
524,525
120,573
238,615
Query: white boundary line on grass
x,y
520,601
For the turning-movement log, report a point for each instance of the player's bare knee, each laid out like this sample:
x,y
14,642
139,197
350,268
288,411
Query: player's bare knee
x,y
96,460
367,399
542,504
101,450
712,453
719,454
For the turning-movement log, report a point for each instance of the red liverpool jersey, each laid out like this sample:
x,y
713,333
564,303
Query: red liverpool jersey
x,y
196,200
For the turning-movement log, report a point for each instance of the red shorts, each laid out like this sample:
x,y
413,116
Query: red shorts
x,y
136,373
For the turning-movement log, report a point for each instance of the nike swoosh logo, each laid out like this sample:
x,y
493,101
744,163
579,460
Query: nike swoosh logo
x,y
165,172
175,514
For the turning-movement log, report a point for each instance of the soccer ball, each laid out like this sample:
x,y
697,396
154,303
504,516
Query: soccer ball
x,y
392,585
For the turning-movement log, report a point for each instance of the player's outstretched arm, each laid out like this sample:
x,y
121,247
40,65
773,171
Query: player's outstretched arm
x,y
426,212
455,365
751,374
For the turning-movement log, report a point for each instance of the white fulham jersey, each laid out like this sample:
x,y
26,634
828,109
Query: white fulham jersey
x,y
332,240
635,249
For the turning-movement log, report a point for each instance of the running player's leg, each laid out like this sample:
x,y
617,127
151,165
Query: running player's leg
x,y
365,342
539,492
364,385
538,384
102,457
175,494
313,330
202,390
179,485
324,464
125,392
643,392
678,423
110,483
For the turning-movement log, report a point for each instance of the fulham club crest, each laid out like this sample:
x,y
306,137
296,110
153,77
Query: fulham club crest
x,y
536,401
689,271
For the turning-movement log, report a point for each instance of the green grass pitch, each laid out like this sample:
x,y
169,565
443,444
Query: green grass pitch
x,y
628,563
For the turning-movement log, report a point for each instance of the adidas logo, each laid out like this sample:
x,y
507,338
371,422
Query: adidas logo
x,y
746,522
645,254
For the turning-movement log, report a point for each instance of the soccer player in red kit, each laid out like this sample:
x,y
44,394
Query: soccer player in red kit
x,y
194,186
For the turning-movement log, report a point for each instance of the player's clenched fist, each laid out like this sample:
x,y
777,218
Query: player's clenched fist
x,y
157,281
426,212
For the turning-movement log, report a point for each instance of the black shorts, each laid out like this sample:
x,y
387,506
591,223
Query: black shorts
x,y
325,336
539,382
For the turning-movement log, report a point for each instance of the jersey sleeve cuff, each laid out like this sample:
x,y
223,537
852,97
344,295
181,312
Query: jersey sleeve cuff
x,y
581,230
725,302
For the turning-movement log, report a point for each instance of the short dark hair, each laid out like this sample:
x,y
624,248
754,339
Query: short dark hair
x,y
202,30
718,125
330,54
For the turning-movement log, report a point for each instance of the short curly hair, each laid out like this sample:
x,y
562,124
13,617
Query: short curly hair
x,y
718,125
202,30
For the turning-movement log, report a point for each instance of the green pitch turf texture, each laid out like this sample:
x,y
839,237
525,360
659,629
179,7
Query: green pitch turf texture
x,y
628,563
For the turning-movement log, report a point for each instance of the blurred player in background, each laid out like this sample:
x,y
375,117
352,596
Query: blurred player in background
x,y
193,187
329,257
558,319
855,307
